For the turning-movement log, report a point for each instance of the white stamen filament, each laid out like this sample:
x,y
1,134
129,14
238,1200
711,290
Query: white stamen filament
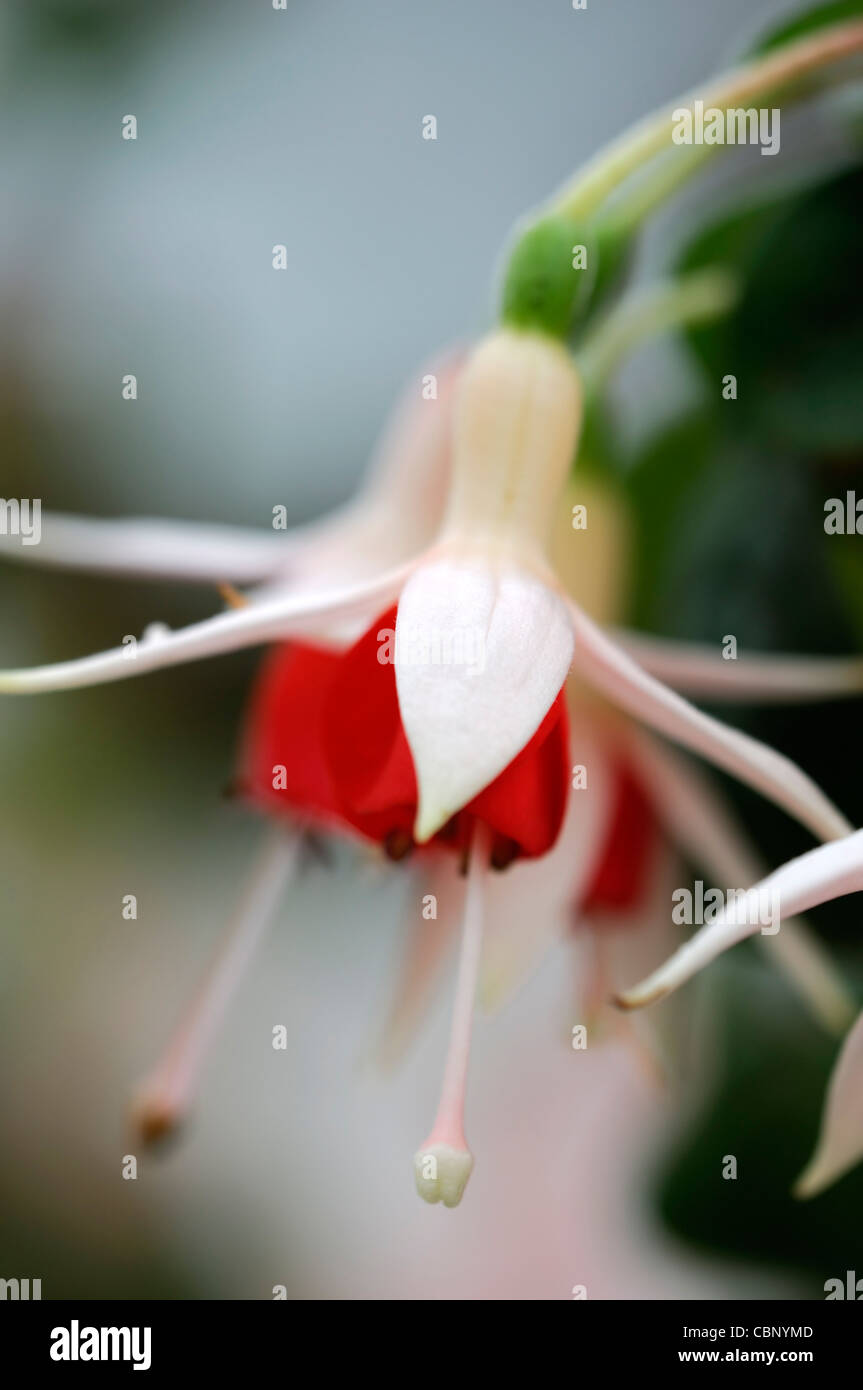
x,y
164,1098
444,1162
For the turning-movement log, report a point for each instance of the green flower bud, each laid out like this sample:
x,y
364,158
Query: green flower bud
x,y
559,272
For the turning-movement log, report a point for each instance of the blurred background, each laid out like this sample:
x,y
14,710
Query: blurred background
x,y
303,127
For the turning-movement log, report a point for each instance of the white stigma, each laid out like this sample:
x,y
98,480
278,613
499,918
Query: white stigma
x,y
442,1172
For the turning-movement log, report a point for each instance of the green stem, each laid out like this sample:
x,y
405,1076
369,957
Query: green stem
x,y
659,182
698,297
761,80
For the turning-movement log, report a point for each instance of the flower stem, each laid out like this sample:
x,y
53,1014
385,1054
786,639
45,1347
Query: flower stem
x,y
760,80
698,297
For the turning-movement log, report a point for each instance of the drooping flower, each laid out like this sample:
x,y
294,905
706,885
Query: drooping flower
x,y
470,751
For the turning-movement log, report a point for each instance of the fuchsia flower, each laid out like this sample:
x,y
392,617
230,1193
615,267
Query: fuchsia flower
x,y
466,758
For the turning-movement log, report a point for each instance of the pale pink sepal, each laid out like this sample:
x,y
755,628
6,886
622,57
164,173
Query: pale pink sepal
x,y
608,669
840,1144
824,873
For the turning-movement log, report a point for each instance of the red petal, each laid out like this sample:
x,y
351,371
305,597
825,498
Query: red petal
x,y
365,743
373,771
284,729
526,803
331,720
620,879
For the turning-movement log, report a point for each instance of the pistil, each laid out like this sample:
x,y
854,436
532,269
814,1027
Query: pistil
x,y
444,1162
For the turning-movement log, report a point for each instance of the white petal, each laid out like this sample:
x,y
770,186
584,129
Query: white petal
x,y
840,1144
247,627
824,873
611,671
700,823
503,641
779,677
151,548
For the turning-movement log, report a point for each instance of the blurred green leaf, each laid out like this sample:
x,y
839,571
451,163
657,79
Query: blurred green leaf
x,y
845,554
762,1106
658,488
748,535
795,343
814,17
